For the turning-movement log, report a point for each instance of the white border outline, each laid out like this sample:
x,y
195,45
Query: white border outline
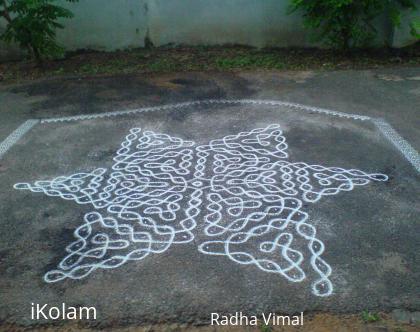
x,y
384,127
400,143
16,135
292,106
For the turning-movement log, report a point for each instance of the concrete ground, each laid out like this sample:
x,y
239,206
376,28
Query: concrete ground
x,y
370,233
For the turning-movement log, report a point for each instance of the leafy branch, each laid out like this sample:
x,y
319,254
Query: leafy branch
x,y
33,24
347,24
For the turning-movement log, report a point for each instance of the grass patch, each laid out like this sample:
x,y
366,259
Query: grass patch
x,y
250,61
162,65
205,58
369,317
400,329
265,328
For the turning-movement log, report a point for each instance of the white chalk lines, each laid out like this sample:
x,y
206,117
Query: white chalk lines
x,y
242,188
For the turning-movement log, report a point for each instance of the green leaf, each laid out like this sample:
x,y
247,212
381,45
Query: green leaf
x,y
34,25
347,23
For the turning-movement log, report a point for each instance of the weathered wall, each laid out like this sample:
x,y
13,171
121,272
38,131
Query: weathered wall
x,y
250,22
120,24
115,24
104,24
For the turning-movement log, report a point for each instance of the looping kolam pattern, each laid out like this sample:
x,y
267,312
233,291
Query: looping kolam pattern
x,y
242,188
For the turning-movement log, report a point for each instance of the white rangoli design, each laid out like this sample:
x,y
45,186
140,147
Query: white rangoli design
x,y
241,189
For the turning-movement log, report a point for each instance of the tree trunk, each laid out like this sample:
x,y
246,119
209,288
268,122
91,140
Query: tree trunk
x,y
37,57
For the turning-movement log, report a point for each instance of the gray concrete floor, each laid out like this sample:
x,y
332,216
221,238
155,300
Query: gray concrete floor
x,y
370,233
392,94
